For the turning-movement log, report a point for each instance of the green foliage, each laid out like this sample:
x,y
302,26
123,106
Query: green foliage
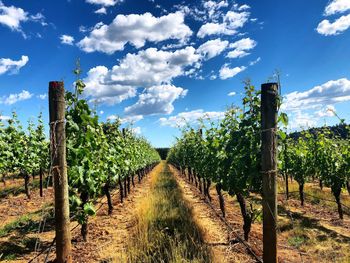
x,y
229,151
98,153
20,151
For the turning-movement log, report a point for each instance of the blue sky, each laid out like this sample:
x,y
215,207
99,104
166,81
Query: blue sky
x,y
156,63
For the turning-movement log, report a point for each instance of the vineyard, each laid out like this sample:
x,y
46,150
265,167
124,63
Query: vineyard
x,y
241,189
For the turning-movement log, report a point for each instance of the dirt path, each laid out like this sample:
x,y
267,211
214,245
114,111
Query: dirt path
x,y
108,234
13,207
216,233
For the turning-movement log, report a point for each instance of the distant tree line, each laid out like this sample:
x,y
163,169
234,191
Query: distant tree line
x,y
163,152
339,130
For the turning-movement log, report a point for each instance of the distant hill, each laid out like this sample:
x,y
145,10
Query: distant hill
x,y
341,130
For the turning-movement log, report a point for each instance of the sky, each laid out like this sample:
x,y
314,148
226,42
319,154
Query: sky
x,y
158,64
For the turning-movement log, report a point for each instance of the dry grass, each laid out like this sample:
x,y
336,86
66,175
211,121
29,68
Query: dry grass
x,y
315,195
165,230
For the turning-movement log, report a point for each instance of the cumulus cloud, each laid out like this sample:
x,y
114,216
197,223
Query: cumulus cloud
x,y
4,118
300,120
328,28
150,67
338,26
232,21
337,6
328,111
12,16
8,65
67,40
40,18
329,93
13,98
136,130
212,8
104,3
307,109
231,94
101,91
127,119
227,72
102,10
212,48
156,100
241,47
131,119
190,117
42,96
135,30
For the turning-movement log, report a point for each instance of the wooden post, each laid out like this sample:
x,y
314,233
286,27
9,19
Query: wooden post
x,y
59,171
41,181
269,112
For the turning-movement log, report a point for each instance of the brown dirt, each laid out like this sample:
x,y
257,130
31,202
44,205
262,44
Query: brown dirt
x,y
12,207
207,218
216,234
108,234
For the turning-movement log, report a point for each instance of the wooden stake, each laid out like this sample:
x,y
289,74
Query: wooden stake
x,y
269,110
41,181
59,171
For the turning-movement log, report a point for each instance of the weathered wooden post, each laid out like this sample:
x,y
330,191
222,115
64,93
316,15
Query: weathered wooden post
x,y
59,171
269,112
41,181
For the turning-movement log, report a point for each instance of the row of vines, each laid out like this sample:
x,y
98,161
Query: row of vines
x,y
100,155
228,153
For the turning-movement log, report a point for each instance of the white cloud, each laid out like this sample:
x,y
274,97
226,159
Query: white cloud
x,y
136,130
127,119
144,69
4,118
328,28
227,72
337,6
232,21
231,94
101,112
40,18
243,7
252,63
135,30
101,91
131,119
241,47
12,66
190,117
152,67
156,100
102,10
329,93
104,2
212,8
67,40
300,120
42,96
307,109
212,48
12,16
327,111
13,98
113,117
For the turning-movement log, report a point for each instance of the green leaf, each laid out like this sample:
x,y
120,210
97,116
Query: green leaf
x,y
283,118
89,209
